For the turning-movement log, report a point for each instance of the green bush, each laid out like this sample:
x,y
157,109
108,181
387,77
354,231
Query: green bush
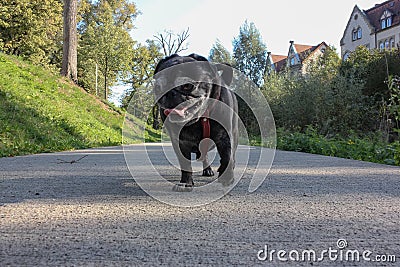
x,y
370,149
330,101
345,109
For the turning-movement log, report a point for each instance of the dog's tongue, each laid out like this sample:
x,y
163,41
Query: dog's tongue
x,y
179,112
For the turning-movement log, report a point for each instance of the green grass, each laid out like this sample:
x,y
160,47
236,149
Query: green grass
x,y
371,149
42,112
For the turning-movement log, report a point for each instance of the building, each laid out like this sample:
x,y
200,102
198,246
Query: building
x,y
298,59
375,28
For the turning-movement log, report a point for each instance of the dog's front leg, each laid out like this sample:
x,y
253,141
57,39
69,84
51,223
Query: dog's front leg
x,y
184,157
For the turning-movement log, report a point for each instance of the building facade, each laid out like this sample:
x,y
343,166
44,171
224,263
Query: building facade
x,y
375,28
298,59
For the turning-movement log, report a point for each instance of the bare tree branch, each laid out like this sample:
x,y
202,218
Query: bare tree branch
x,y
181,39
172,43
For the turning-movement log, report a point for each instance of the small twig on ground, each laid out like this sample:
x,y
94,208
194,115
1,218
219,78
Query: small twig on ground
x,y
72,161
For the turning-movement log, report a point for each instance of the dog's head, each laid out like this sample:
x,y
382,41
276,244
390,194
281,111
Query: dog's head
x,y
181,90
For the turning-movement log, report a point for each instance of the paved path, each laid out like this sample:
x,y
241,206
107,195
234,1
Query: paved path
x,y
92,213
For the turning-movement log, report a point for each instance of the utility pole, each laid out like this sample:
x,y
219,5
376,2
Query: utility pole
x,y
97,75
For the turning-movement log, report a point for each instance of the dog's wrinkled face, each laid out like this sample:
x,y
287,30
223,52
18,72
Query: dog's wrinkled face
x,y
181,92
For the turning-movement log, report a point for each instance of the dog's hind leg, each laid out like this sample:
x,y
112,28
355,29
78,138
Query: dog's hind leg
x,y
207,170
225,170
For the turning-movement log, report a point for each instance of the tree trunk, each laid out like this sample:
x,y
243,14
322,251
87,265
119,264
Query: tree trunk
x,y
70,56
156,123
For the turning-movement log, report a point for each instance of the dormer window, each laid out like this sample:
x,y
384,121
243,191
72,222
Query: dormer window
x,y
389,22
292,61
386,19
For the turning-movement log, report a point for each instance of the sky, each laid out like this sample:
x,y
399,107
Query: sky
x,y
306,22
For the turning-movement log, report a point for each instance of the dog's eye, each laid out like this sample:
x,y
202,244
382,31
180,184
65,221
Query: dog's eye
x,y
188,87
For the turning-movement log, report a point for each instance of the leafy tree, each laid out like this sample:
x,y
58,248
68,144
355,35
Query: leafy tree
x,y
249,56
374,67
326,66
105,42
31,29
250,53
145,59
220,54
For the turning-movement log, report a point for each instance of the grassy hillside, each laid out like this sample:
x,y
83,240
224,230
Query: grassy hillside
x,y
41,112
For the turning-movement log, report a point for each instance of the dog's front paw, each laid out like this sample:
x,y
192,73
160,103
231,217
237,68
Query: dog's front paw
x,y
182,187
208,172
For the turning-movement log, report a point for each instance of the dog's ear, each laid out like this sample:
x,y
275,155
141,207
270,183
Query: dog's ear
x,y
197,57
227,72
162,61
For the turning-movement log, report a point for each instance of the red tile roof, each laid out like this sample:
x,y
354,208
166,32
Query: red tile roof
x,y
277,58
374,14
301,48
310,50
279,62
304,52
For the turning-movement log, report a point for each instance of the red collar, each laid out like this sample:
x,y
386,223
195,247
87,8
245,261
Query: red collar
x,y
205,123
205,120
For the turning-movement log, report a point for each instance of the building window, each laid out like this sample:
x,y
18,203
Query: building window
x,y
292,61
357,34
389,22
383,23
381,46
386,20
392,43
387,44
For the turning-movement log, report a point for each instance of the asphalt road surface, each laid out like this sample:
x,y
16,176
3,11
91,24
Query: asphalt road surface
x,y
83,208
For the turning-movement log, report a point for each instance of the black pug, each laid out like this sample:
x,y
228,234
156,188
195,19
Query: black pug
x,y
187,109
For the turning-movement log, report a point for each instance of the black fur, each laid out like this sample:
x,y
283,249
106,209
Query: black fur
x,y
191,134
